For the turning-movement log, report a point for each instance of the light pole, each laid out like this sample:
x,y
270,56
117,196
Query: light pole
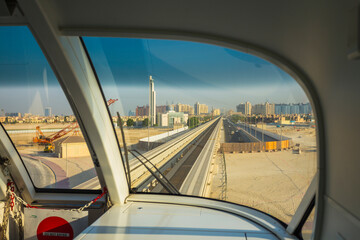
x,y
281,132
66,160
245,123
262,128
148,132
255,127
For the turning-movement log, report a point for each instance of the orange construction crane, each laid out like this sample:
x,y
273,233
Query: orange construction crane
x,y
41,139
111,101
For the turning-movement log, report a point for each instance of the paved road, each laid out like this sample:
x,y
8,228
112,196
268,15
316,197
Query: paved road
x,y
233,134
257,134
41,175
48,174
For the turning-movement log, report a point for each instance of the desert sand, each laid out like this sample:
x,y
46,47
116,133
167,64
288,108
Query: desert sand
x,y
273,182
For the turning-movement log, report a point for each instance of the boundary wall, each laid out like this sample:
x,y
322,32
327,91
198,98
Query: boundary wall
x,y
148,143
162,135
255,146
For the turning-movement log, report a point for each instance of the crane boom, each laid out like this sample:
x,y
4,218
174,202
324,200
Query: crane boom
x,y
40,137
64,131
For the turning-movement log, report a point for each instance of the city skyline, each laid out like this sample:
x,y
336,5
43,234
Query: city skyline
x,y
185,72
35,100
210,108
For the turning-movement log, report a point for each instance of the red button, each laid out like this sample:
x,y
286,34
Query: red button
x,y
55,228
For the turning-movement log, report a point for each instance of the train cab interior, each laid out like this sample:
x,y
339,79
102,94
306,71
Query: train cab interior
x,y
179,119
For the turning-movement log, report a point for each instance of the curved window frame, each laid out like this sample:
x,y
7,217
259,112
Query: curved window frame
x,y
312,193
79,120
47,197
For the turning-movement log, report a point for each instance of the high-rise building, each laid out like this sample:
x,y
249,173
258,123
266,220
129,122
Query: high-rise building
x,y
196,108
305,108
285,109
244,108
240,108
216,112
293,108
247,108
190,110
47,112
269,108
185,108
152,102
264,109
142,111
200,109
259,109
161,109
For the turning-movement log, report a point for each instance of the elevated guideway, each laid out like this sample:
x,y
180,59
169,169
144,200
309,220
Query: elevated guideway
x,y
152,142
197,182
165,157
189,171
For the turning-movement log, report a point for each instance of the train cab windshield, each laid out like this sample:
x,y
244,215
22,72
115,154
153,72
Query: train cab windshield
x,y
190,119
216,122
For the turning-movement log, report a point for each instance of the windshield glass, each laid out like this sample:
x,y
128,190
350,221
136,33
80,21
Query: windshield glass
x,y
218,123
37,116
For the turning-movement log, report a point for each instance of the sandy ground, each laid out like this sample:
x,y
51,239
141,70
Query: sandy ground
x,y
132,136
273,182
303,135
71,172
23,126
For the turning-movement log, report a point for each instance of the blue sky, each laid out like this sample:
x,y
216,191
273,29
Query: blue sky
x,y
184,72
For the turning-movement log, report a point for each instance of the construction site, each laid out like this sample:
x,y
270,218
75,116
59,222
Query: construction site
x,y
60,153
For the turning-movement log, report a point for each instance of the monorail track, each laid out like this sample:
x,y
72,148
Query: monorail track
x,y
178,167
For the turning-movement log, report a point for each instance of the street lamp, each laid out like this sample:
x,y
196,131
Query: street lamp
x,y
262,127
255,127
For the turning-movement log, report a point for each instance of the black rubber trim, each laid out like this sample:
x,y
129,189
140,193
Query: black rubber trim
x,y
298,230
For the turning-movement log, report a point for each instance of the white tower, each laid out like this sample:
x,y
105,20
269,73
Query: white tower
x,y
152,102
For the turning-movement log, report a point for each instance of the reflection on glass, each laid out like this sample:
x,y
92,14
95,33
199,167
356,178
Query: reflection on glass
x,y
38,118
308,228
216,122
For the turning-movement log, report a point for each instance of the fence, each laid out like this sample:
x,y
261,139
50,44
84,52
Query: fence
x,y
21,131
255,146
